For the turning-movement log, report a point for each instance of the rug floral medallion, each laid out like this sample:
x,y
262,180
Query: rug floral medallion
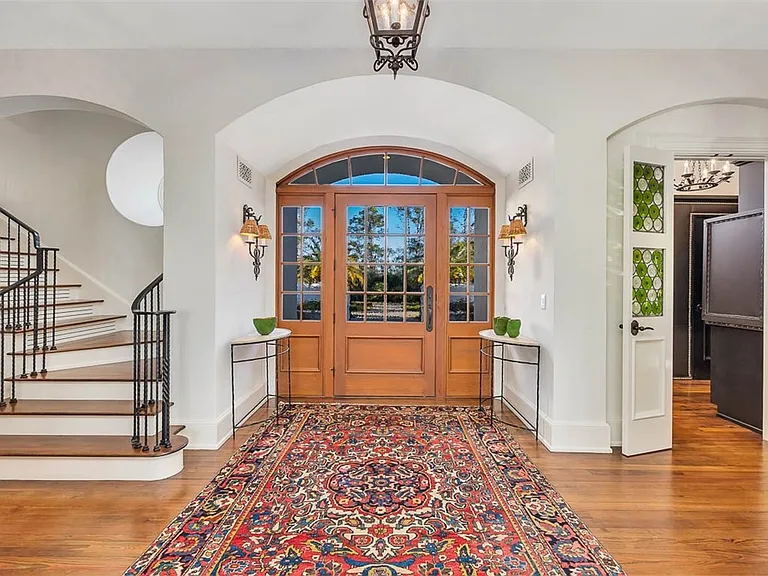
x,y
378,491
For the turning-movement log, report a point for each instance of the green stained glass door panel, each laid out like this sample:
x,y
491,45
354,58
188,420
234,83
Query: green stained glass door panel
x,y
647,282
648,198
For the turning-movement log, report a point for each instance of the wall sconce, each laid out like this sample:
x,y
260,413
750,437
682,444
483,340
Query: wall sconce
x,y
511,237
256,235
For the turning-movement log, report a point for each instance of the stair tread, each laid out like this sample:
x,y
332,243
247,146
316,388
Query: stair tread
x,y
26,268
115,372
84,446
111,340
82,321
71,408
79,302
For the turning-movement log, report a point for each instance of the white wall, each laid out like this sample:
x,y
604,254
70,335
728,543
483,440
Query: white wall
x,y
703,129
582,97
534,278
239,298
52,176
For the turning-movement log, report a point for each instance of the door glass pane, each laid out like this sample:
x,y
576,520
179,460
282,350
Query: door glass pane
x,y
458,220
395,279
355,279
355,248
311,251
375,220
395,248
464,180
414,308
374,309
458,308
355,219
458,279
375,278
478,308
415,253
313,221
396,220
310,309
301,268
469,243
416,220
308,178
375,249
648,198
355,304
291,220
311,279
291,308
647,282
395,308
415,278
290,248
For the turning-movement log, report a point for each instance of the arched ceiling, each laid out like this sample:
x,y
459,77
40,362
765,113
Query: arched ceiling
x,y
411,107
539,24
15,105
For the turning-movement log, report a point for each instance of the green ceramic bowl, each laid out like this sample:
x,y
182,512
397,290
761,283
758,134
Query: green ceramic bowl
x,y
265,326
500,325
513,327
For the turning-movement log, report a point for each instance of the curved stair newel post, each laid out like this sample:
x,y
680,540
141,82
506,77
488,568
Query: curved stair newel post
x,y
151,368
20,308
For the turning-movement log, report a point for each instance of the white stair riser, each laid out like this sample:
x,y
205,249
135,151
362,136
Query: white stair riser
x,y
64,334
16,275
62,313
70,425
61,294
63,468
32,389
76,359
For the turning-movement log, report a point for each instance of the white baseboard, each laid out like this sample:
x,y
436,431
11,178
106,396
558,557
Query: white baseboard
x,y
213,435
60,468
559,436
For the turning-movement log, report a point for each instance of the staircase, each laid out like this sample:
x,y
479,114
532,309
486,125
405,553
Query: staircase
x,y
84,394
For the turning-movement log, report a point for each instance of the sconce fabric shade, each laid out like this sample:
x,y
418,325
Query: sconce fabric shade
x,y
504,232
516,228
250,230
264,235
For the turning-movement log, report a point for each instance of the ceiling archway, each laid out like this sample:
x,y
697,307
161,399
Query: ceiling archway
x,y
480,126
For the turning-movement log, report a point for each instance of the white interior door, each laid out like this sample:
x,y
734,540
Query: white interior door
x,y
648,284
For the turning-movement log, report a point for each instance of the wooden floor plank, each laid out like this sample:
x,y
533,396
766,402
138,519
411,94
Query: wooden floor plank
x,y
698,510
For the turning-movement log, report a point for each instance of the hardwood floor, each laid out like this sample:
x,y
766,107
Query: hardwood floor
x,y
700,509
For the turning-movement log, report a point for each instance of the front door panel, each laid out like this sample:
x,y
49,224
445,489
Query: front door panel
x,y
384,295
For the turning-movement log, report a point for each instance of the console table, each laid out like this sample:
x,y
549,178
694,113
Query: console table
x,y
489,343
280,343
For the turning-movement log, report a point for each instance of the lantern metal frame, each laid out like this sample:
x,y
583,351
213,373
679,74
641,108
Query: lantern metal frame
x,y
396,49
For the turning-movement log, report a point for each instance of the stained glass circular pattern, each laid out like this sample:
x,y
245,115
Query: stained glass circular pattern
x,y
647,282
648,198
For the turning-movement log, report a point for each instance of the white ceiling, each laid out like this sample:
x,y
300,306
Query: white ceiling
x,y
607,24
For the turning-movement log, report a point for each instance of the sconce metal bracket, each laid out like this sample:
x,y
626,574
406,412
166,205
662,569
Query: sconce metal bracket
x,y
522,215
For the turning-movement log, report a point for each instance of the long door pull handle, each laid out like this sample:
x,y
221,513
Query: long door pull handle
x,y
430,306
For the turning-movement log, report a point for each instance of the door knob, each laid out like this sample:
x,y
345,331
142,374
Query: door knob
x,y
635,328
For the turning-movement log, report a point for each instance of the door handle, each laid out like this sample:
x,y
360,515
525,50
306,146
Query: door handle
x,y
430,305
635,328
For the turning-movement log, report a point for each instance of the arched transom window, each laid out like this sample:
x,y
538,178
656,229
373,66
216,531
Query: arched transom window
x,y
384,168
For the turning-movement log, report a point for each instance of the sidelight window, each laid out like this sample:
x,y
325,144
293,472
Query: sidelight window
x,y
469,264
301,266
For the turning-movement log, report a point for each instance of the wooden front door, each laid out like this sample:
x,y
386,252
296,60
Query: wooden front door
x,y
386,249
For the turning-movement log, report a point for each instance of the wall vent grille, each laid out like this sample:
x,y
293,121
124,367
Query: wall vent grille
x,y
525,176
244,172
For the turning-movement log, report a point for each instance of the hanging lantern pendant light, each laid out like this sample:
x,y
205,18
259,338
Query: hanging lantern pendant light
x,y
396,27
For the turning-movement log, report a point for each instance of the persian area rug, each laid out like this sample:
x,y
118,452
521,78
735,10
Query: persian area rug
x,y
378,491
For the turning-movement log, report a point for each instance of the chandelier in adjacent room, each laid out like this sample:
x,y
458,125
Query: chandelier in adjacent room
x,y
702,175
396,27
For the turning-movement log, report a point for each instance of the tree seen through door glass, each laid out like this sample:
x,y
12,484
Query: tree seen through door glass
x,y
385,263
469,264
301,262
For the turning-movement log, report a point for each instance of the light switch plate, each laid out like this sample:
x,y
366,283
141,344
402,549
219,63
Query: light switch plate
x,y
543,301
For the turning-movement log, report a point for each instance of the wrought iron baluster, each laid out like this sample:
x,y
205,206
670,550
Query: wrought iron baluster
x,y
53,325
46,287
166,338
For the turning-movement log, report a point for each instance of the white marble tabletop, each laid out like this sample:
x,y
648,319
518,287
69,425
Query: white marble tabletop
x,y
256,338
520,340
